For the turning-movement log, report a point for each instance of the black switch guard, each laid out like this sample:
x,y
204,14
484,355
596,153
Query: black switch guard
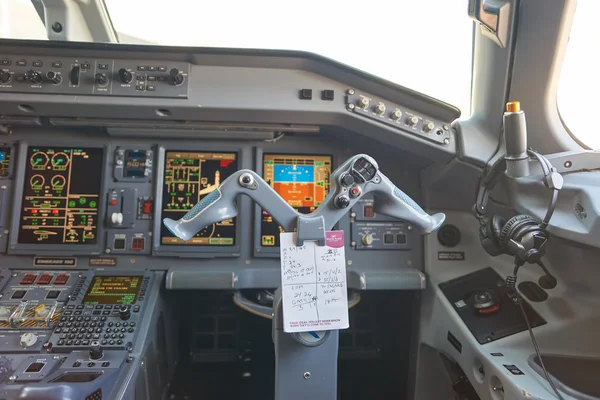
x,y
487,328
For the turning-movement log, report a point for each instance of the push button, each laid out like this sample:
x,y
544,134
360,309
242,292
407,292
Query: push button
x,y
388,238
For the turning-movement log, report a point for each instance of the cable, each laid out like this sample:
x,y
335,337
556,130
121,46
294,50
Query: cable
x,y
511,281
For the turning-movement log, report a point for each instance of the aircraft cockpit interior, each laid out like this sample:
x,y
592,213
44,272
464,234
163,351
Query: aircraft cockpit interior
x,y
268,200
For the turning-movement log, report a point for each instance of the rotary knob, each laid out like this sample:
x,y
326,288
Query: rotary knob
x,y
125,76
396,115
34,77
363,102
101,79
347,180
124,312
53,77
380,108
428,127
4,76
96,351
367,239
412,121
176,77
342,202
28,339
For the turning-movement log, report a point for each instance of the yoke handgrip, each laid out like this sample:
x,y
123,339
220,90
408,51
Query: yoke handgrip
x,y
355,177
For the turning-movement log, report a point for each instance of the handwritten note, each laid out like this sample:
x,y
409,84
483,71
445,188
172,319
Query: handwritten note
x,y
314,284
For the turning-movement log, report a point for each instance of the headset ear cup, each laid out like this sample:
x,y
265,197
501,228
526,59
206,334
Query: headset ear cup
x,y
489,234
512,227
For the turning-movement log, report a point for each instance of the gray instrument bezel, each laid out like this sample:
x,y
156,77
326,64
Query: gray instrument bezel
x,y
273,251
14,247
159,249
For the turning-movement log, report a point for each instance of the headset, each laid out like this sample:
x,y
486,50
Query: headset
x,y
522,236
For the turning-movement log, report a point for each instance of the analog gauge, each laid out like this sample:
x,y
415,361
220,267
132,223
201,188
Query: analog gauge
x,y
60,161
39,160
58,182
37,182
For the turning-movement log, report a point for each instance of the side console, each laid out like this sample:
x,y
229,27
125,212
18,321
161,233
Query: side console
x,y
62,328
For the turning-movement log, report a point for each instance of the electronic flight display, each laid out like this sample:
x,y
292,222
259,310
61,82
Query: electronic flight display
x,y
61,193
302,180
189,176
112,290
4,161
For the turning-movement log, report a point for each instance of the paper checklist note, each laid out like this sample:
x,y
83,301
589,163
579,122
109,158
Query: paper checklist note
x,y
313,282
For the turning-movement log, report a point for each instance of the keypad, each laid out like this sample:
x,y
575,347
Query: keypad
x,y
76,328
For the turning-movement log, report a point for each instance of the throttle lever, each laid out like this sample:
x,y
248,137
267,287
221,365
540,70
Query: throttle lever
x,y
366,178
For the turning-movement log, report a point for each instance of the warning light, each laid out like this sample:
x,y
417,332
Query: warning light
x,y
226,163
54,211
34,211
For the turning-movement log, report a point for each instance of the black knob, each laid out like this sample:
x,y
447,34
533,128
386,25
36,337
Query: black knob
x,y
74,75
34,77
125,76
96,351
101,79
342,202
53,77
4,76
124,312
347,180
176,77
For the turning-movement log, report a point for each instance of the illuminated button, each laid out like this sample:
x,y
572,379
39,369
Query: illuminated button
x,y
44,279
355,191
138,244
388,238
19,294
368,212
61,279
147,207
113,202
401,238
53,294
119,244
28,279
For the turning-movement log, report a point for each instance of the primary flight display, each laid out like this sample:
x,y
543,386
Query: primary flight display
x,y
302,181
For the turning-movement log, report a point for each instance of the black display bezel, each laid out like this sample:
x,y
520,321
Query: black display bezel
x,y
160,249
273,251
14,246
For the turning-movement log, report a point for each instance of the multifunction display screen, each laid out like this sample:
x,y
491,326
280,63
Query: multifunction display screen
x,y
4,161
113,290
189,176
302,181
61,193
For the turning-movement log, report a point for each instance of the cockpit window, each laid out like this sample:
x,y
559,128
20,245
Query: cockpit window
x,y
578,100
423,45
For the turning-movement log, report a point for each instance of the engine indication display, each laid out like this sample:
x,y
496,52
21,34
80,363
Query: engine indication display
x,y
4,161
189,176
112,290
302,180
60,196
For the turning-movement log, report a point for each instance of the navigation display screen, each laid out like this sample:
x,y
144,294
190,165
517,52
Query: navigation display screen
x,y
302,180
61,193
189,176
113,290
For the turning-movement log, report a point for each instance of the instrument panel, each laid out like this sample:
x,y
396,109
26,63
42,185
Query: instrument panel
x,y
105,142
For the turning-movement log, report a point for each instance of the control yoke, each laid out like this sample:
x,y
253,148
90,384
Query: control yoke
x,y
356,177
